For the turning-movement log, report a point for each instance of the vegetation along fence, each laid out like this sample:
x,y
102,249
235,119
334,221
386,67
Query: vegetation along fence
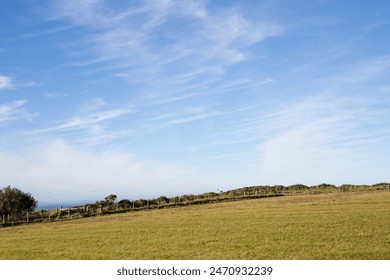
x,y
109,205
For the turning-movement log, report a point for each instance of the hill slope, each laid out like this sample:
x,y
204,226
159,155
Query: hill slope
x,y
326,226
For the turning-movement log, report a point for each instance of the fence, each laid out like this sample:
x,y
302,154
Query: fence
x,y
90,210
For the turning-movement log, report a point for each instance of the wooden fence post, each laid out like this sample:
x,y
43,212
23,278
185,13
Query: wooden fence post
x,y
68,213
3,218
27,217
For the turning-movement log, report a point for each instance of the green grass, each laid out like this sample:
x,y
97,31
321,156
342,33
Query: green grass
x,y
327,226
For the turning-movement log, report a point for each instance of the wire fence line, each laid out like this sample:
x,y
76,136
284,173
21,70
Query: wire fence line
x,y
90,210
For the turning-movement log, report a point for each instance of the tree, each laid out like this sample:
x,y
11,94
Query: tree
x,y
140,203
15,203
162,200
110,199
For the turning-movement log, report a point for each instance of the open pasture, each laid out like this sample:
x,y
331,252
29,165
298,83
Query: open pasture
x,y
325,226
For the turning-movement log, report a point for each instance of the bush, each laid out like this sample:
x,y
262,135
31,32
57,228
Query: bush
x,y
15,203
124,203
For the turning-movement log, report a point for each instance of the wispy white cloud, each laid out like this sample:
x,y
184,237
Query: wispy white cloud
x,y
325,137
14,111
195,113
29,84
95,104
55,170
80,12
93,125
46,32
222,156
367,70
55,94
190,114
5,82
127,38
90,121
196,117
228,34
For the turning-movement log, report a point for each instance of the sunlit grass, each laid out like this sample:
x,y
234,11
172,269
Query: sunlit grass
x,y
327,226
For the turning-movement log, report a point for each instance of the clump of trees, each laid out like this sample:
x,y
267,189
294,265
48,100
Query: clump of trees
x,y
15,203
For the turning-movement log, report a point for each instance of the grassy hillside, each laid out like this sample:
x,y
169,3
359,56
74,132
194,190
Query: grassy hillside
x,y
326,226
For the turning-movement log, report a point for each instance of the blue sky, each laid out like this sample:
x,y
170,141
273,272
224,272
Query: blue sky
x,y
150,98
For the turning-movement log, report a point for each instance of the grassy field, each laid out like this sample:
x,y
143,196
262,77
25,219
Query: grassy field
x,y
327,226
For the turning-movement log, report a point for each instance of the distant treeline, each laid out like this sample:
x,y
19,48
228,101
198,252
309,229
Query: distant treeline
x,y
109,205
